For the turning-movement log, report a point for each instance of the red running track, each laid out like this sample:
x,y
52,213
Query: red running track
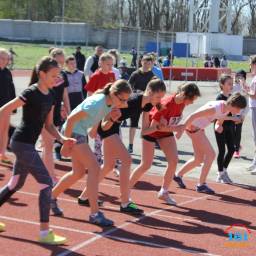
x,y
195,227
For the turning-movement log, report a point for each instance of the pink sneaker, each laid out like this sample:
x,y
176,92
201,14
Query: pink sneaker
x,y
236,154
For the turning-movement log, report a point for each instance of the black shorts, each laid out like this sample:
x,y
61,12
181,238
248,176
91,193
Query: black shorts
x,y
135,120
115,129
151,139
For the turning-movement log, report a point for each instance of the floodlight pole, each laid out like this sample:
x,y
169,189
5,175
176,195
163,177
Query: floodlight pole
x,y
62,24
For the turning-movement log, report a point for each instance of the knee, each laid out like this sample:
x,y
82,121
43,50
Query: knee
x,y
15,183
126,160
198,160
145,165
210,156
173,161
77,175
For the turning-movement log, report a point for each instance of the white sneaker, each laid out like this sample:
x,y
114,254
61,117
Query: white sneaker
x,y
251,167
253,172
166,197
117,172
223,178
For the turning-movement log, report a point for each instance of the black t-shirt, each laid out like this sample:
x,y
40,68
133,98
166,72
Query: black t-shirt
x,y
37,107
134,109
225,123
7,89
58,92
140,79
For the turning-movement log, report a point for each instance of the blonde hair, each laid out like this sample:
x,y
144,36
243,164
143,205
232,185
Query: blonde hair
x,y
56,52
105,57
4,51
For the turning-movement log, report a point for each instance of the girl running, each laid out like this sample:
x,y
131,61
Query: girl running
x,y
61,95
37,102
203,150
109,133
86,115
158,126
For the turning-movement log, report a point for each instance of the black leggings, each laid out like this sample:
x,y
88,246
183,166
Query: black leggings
x,y
237,136
29,161
226,138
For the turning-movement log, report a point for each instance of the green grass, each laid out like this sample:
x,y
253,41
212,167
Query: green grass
x,y
30,53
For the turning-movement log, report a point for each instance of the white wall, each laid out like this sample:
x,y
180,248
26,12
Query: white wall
x,y
212,43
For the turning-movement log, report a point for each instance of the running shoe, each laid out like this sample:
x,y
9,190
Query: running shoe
x,y
204,189
132,209
55,208
237,154
52,239
253,172
251,167
2,227
100,220
130,148
117,172
166,197
85,202
179,181
223,177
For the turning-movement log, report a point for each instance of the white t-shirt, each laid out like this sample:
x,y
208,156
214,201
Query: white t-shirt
x,y
116,72
203,122
252,102
236,88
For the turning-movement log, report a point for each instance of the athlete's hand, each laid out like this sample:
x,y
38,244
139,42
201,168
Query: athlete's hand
x,y
68,144
115,114
163,121
179,129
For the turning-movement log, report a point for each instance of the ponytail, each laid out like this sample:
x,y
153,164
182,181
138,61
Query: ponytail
x,y
105,90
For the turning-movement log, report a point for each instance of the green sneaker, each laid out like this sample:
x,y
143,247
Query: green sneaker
x,y
53,239
2,227
132,209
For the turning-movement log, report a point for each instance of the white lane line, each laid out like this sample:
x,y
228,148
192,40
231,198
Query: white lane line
x,y
52,226
106,233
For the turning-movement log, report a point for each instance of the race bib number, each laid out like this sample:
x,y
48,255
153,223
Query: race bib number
x,y
174,120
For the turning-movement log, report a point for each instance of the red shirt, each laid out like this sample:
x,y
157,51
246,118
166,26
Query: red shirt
x,y
171,112
98,80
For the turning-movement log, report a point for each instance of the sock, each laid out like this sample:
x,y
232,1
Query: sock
x,y
94,214
130,145
163,191
124,205
44,233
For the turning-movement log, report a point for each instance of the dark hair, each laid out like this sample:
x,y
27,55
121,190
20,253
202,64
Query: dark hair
x,y
33,77
118,87
237,100
253,60
147,58
44,65
156,85
190,90
240,73
223,79
69,58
